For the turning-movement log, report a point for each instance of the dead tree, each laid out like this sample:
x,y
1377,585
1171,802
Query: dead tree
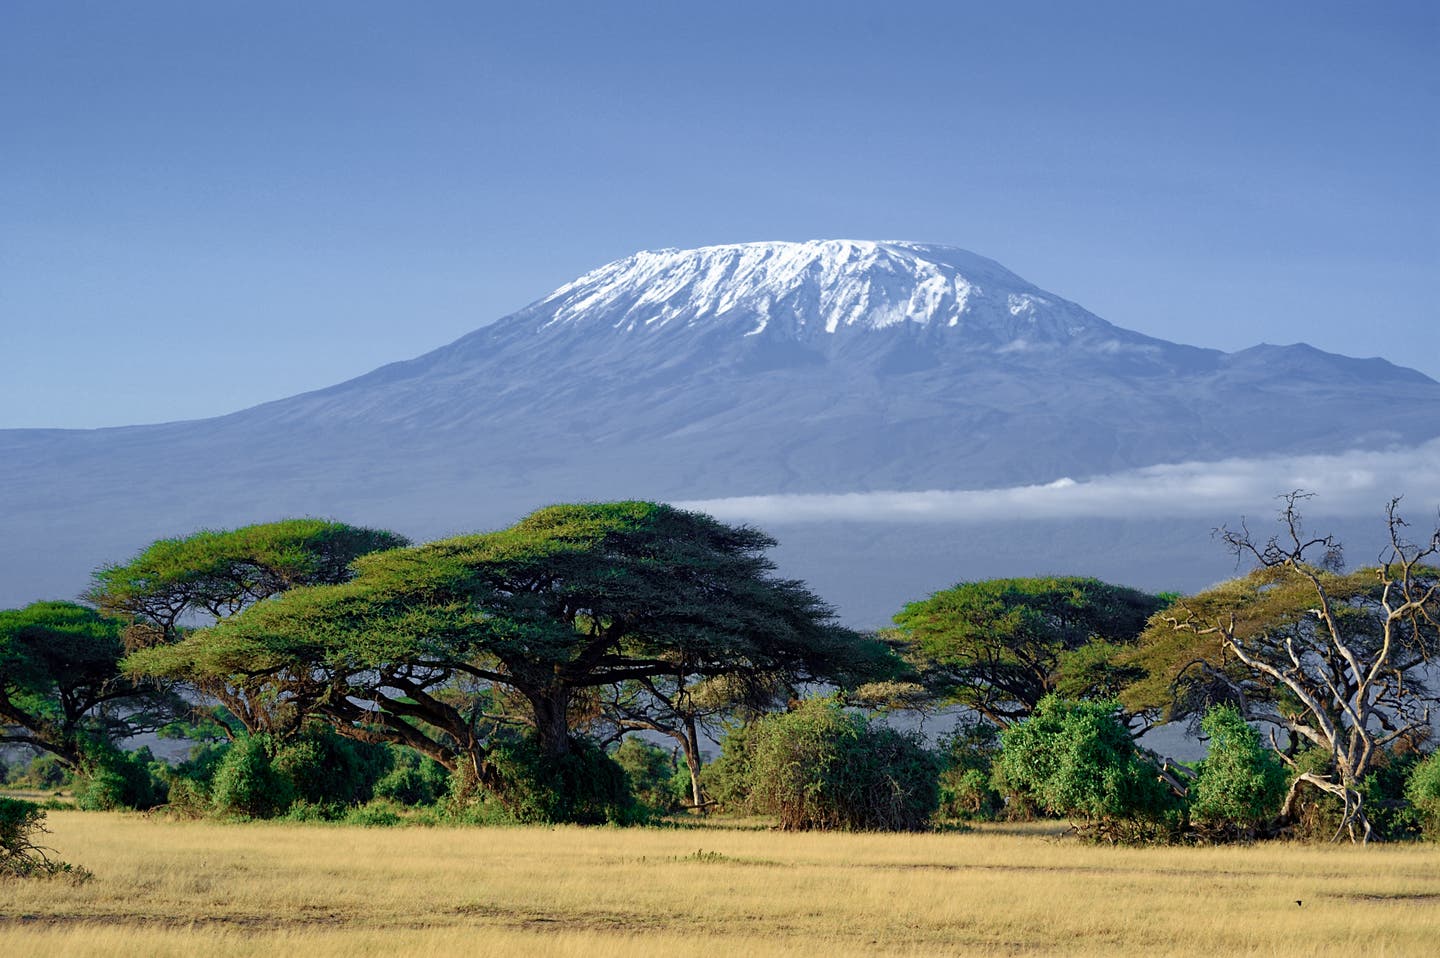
x,y
1334,659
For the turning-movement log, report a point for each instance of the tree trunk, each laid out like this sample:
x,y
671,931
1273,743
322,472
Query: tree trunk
x,y
691,748
552,721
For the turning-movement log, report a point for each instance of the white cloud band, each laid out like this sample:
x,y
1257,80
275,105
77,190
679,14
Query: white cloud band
x,y
1355,483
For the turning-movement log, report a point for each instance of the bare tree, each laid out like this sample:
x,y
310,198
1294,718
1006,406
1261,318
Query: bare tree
x,y
1334,659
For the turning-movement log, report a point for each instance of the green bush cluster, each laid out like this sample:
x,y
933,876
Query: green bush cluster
x,y
1075,759
657,778
1240,783
822,766
258,776
1422,791
584,786
968,754
110,778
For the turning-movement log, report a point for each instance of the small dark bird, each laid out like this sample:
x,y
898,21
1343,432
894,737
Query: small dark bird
x,y
1298,902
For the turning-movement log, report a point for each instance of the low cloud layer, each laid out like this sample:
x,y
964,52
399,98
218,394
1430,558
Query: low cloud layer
x,y
1357,483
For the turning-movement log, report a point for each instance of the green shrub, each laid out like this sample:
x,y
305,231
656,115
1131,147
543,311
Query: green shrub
x,y
381,813
823,767
413,779
1422,791
1240,783
652,774
44,771
726,781
584,786
21,823
110,779
1077,760
1384,793
246,782
968,756
323,767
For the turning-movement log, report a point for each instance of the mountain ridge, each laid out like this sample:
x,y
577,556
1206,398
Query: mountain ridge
x,y
824,367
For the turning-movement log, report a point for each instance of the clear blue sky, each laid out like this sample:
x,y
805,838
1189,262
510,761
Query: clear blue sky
x,y
208,205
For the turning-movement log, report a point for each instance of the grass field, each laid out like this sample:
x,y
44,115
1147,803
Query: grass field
x,y
192,888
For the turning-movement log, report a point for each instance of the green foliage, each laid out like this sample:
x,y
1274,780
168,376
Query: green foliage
x,y
1392,816
571,599
582,786
381,813
1423,793
218,572
1240,783
652,773
968,755
1077,760
44,771
260,777
325,768
20,856
247,783
998,646
215,574
60,684
413,779
727,779
111,779
823,767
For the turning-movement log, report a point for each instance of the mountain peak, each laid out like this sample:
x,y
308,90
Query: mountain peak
x,y
807,289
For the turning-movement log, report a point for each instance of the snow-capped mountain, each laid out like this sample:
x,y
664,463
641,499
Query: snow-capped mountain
x,y
821,287
826,366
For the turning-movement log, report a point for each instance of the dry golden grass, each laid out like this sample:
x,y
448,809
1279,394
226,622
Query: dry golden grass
x,y
183,889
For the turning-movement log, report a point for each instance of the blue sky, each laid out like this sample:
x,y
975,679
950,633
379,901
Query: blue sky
x,y
208,205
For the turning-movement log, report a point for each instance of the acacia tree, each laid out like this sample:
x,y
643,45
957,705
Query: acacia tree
x,y
211,575
1001,645
570,600
1336,660
61,688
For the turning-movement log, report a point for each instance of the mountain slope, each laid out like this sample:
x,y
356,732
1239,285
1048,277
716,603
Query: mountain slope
x,y
829,366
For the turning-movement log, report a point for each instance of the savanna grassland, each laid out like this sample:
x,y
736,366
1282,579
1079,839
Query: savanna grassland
x,y
191,888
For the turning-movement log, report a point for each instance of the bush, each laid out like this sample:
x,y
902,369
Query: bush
x,y
968,756
324,767
1385,799
652,774
44,771
246,782
110,779
1075,759
381,813
20,857
413,779
726,781
585,786
1240,783
823,767
1422,790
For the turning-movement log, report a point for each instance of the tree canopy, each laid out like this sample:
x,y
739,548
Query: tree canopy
x,y
213,574
60,685
998,646
1338,660
571,599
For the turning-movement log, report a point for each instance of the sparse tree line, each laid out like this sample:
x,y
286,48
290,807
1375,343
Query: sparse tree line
x,y
327,672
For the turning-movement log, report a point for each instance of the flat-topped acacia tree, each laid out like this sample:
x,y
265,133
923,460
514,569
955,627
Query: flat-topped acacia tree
x,y
1001,645
61,689
173,584
571,599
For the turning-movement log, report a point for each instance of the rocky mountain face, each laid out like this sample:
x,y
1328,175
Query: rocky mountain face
x,y
827,366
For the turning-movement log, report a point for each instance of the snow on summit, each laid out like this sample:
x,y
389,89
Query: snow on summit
x,y
812,287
